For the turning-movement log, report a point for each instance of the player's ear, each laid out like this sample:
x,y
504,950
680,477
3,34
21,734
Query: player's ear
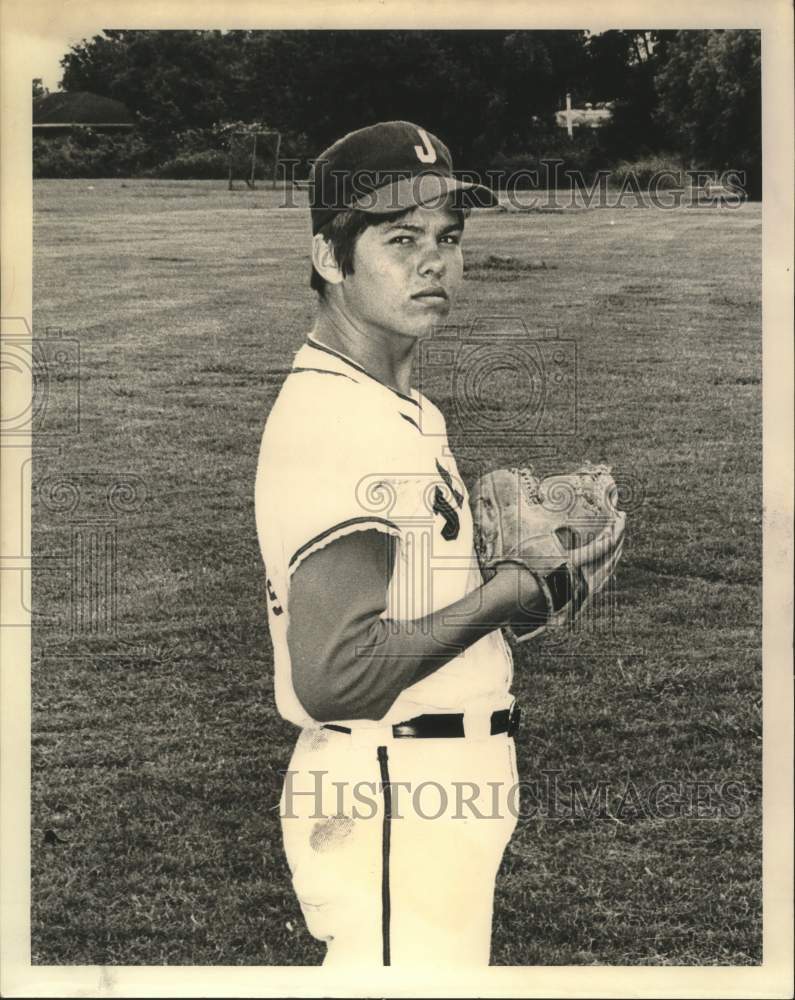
x,y
324,261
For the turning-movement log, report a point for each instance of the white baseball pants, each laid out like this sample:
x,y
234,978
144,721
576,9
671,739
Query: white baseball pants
x,y
394,844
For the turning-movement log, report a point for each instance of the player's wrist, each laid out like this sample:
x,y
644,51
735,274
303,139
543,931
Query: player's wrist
x,y
525,603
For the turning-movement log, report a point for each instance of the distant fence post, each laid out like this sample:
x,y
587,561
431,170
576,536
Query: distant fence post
x,y
276,158
242,152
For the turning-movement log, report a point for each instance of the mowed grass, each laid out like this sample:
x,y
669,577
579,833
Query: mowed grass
x,y
156,751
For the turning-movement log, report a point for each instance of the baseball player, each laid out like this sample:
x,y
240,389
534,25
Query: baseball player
x,y
388,649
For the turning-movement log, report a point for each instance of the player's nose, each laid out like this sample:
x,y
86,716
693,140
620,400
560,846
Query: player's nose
x,y
432,262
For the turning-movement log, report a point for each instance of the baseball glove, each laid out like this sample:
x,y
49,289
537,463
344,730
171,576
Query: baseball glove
x,y
565,529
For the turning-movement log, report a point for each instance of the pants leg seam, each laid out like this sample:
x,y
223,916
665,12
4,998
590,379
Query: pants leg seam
x,y
386,833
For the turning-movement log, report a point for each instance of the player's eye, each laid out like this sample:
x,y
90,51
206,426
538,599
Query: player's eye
x,y
452,239
402,240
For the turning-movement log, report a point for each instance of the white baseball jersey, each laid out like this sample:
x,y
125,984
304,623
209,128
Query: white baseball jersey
x,y
342,452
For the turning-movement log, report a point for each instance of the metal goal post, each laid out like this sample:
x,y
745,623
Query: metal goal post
x,y
244,148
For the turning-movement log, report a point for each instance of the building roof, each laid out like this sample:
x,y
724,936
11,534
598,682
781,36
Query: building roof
x,y
589,116
79,108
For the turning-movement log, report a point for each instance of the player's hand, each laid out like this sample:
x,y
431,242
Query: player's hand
x,y
595,561
564,529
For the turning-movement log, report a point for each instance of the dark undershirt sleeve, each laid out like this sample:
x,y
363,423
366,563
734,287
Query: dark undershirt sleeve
x,y
351,662
337,597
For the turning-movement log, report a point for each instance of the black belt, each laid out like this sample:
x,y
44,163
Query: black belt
x,y
447,725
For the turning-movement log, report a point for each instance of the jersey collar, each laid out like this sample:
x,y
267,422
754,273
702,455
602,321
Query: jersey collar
x,y
322,358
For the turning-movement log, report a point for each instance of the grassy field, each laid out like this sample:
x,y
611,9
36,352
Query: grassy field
x,y
156,750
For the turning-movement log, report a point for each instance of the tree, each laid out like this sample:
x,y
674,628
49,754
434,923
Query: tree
x,y
622,68
173,80
710,89
39,90
477,89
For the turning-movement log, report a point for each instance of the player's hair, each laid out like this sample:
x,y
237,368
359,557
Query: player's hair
x,y
345,228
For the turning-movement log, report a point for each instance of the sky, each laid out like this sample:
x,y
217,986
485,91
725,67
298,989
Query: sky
x,y
46,63
49,47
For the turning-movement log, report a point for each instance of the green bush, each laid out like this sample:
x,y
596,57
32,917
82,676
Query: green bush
x,y
208,164
196,140
87,153
197,154
203,154
651,167
550,161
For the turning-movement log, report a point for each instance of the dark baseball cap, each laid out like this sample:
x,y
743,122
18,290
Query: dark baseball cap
x,y
386,168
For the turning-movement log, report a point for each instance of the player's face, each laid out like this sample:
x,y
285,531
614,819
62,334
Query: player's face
x,y
406,273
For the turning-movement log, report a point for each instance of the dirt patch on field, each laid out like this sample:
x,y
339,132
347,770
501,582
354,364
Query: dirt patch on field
x,y
504,267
